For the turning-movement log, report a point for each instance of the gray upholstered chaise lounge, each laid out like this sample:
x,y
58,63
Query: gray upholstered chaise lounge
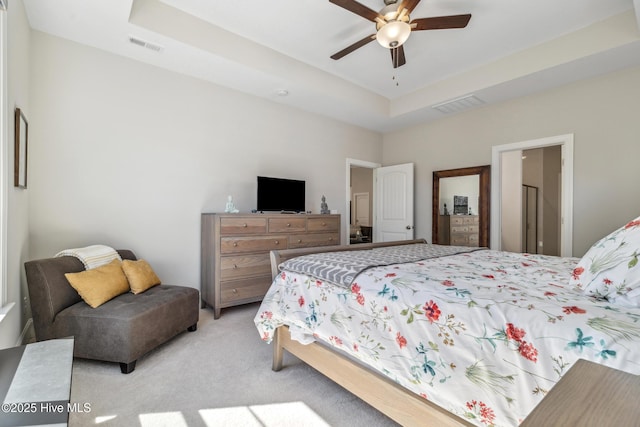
x,y
120,330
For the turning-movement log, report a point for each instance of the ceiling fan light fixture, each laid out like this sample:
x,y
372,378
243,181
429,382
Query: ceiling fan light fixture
x,y
390,12
393,34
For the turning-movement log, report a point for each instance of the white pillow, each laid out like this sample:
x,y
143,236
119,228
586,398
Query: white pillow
x,y
610,267
631,299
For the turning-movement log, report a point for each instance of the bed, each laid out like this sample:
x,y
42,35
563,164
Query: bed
x,y
436,335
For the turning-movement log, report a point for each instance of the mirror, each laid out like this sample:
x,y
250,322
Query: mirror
x,y
467,210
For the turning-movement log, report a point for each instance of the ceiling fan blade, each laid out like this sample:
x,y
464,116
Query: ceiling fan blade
x,y
440,22
397,56
353,47
409,5
358,9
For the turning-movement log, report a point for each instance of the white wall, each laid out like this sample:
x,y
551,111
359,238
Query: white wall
x,y
18,37
129,155
602,113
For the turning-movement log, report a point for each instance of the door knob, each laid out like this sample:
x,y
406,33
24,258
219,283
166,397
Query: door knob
x,y
409,227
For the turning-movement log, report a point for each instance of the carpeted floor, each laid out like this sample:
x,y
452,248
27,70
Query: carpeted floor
x,y
219,375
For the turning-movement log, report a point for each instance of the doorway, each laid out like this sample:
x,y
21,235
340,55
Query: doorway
x,y
390,198
359,181
506,195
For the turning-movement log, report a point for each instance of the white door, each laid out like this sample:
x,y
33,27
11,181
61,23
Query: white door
x,y
361,204
393,200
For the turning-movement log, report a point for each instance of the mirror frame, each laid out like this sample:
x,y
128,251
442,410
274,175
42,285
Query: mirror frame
x,y
483,200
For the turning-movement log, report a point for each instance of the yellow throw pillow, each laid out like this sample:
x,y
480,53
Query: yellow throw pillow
x,y
98,285
140,275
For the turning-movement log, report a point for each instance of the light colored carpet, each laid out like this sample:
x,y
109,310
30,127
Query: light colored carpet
x,y
219,375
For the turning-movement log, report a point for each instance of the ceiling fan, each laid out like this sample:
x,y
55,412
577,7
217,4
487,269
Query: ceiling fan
x,y
394,25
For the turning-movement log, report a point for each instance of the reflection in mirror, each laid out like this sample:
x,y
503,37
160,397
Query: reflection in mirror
x,y
461,206
465,190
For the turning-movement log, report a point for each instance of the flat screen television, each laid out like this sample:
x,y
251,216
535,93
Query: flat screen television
x,y
278,194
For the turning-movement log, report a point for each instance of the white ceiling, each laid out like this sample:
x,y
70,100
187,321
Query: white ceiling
x,y
510,48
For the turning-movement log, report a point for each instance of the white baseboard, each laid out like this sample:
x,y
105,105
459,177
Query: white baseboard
x,y
25,332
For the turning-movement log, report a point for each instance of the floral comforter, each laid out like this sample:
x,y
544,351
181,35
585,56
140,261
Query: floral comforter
x,y
484,334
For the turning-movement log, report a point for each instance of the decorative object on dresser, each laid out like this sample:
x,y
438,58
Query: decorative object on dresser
x,y
459,230
235,263
230,206
324,208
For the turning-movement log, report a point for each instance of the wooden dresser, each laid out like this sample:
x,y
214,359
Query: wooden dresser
x,y
459,230
235,264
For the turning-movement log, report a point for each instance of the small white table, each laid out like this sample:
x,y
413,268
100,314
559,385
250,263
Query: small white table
x,y
35,383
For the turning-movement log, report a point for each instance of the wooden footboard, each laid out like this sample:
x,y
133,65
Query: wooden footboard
x,y
398,403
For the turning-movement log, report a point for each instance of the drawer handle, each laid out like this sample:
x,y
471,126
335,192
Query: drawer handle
x,y
277,242
288,225
235,244
324,223
234,290
299,240
244,225
235,266
331,239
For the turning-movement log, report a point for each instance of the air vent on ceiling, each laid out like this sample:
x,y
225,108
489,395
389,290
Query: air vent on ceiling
x,y
144,43
458,104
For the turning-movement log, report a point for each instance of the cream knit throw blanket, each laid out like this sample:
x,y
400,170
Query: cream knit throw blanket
x,y
92,256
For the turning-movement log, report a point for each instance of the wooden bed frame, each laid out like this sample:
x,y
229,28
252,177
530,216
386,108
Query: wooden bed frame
x,y
398,403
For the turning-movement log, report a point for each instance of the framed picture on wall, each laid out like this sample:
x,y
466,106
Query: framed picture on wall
x,y
21,145
460,205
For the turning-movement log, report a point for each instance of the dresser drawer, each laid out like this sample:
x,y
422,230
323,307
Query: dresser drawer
x,y
244,225
287,224
461,240
311,240
464,220
456,220
470,220
244,290
323,224
241,266
234,245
